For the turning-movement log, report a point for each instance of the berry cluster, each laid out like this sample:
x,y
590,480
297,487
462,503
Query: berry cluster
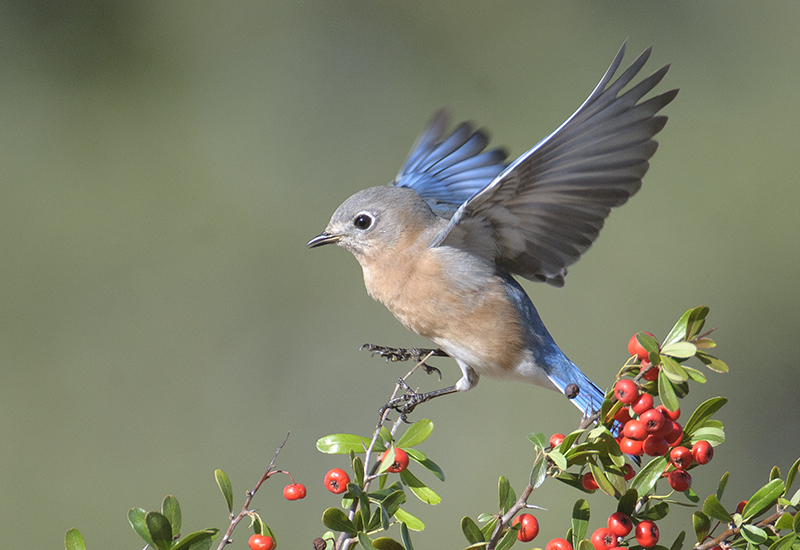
x,y
619,526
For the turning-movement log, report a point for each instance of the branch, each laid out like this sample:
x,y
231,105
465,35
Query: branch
x,y
226,538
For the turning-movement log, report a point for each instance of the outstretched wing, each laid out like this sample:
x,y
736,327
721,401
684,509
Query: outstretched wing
x,y
546,209
447,172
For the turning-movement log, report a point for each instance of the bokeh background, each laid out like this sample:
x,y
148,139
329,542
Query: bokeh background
x,y
164,164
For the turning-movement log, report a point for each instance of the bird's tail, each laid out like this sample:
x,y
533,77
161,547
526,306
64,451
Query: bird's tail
x,y
589,397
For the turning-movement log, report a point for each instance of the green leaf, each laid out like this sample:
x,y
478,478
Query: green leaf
x,y
655,512
569,440
601,480
695,374
678,544
647,477
335,519
471,530
490,526
386,435
763,499
420,490
703,412
682,350
713,508
393,501
538,440
585,544
73,540
224,484
505,494
386,543
415,434
160,530
558,459
342,444
627,503
426,462
712,434
784,543
666,391
410,521
791,475
136,519
172,511
784,522
200,540
688,326
358,468
775,473
701,524
712,362
796,524
539,470
754,534
364,541
580,520
722,483
673,370
508,540
406,536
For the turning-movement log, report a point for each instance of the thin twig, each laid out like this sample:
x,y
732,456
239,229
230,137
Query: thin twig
x,y
226,538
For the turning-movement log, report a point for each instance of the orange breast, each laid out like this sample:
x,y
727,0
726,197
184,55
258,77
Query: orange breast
x,y
450,296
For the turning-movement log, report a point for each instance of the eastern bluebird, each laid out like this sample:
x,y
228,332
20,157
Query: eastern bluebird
x,y
438,246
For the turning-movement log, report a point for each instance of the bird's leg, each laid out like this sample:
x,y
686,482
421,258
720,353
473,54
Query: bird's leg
x,y
410,399
402,354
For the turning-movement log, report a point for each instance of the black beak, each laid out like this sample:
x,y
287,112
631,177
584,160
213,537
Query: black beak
x,y
323,238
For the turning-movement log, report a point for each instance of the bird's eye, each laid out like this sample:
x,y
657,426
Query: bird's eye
x,y
362,221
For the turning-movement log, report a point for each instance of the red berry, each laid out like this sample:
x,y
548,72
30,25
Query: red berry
x,y
672,415
400,461
556,439
740,506
703,452
643,403
629,473
665,429
647,534
336,481
634,430
680,457
651,372
604,539
261,542
676,435
655,445
588,482
294,491
631,446
652,420
626,391
558,544
529,528
623,415
620,524
637,349
680,480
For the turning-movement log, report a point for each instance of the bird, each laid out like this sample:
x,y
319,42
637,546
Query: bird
x,y
441,244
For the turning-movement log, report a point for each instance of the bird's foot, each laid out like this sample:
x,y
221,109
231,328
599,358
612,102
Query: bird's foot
x,y
407,402
395,355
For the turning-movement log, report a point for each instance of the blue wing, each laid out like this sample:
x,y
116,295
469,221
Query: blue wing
x,y
547,208
446,172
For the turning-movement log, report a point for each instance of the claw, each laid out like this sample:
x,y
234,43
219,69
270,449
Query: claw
x,y
403,354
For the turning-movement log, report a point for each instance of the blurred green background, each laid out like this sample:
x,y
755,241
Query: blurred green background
x,y
164,164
